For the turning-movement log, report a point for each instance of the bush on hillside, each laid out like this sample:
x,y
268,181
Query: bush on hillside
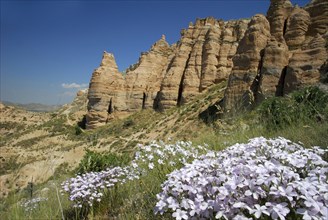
x,y
95,162
309,104
312,102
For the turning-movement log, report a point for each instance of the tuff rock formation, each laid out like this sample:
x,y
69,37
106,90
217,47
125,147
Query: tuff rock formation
x,y
294,55
106,92
143,80
203,58
248,62
263,56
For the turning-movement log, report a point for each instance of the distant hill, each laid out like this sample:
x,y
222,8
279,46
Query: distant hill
x,y
33,107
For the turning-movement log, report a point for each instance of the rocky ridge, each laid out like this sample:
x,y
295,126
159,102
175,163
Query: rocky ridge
x,y
263,56
292,54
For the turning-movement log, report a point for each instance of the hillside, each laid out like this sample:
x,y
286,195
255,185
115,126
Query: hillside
x,y
45,153
25,144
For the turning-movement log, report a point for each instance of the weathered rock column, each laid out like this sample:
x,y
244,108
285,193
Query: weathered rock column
x,y
106,94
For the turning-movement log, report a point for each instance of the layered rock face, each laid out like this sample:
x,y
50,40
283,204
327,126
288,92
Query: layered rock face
x,y
111,94
165,76
247,62
291,55
203,58
106,92
143,80
263,56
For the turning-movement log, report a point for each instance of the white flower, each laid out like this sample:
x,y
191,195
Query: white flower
x,y
253,178
259,210
180,214
151,166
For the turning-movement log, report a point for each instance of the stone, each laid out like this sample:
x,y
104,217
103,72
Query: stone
x,y
275,62
305,65
295,55
204,57
260,57
277,15
297,27
247,63
218,64
144,80
318,10
106,92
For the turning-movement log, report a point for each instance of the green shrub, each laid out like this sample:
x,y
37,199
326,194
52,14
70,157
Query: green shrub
x,y
10,165
94,161
312,103
78,130
277,112
307,105
128,123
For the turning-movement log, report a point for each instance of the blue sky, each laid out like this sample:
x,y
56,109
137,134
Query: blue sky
x,y
49,49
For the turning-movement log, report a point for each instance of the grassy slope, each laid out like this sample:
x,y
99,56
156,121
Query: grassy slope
x,y
135,200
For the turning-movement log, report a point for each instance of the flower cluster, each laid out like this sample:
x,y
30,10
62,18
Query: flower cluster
x,y
88,187
85,189
170,154
274,178
32,204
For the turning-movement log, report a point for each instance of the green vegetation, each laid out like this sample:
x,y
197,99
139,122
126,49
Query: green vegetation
x,y
301,117
11,125
305,106
9,166
94,161
30,143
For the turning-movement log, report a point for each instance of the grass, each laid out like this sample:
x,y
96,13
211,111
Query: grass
x,y
10,165
295,117
11,208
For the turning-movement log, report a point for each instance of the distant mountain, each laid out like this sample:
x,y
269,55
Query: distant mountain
x,y
34,107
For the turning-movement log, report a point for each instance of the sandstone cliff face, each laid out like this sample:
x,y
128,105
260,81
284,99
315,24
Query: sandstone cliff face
x,y
261,57
106,92
144,80
304,66
247,62
167,75
277,15
296,28
111,94
203,58
293,54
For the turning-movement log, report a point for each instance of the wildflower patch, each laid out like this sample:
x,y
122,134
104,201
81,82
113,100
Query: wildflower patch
x,y
265,178
274,178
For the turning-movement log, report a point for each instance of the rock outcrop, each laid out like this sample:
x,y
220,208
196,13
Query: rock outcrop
x,y
305,64
294,55
296,27
248,62
106,92
263,56
165,76
203,58
143,81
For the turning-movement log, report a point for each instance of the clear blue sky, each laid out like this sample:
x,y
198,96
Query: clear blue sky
x,y
46,46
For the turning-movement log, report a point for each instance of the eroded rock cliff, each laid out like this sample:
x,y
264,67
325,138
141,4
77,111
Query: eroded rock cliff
x,y
106,92
263,56
143,81
294,54
203,58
